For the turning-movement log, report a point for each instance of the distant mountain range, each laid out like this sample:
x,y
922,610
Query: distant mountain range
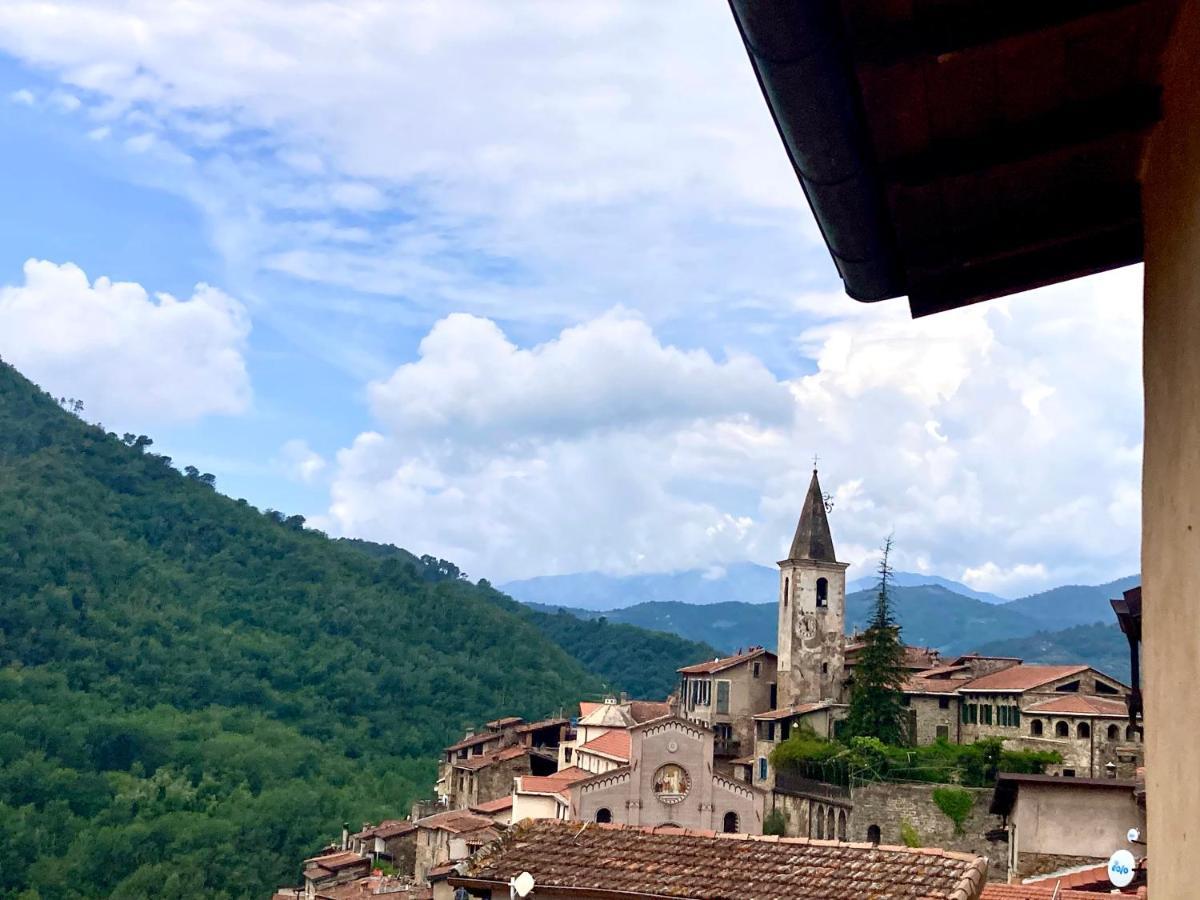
x,y
742,582
1065,624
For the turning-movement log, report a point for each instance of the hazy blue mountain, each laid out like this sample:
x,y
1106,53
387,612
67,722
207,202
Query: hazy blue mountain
x,y
916,579
745,582
741,582
928,614
1098,644
1072,604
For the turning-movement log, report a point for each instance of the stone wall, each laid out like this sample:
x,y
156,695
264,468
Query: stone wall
x,y
926,715
889,805
1033,864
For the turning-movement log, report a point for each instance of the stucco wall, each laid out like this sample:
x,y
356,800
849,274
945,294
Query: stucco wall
x,y
888,805
1171,465
1065,821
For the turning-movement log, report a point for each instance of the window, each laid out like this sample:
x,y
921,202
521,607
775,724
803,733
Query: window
x,y
820,817
1061,730
774,695
730,824
1083,730
786,586
603,815
822,592
905,700
943,733
943,702
873,834
824,668
1068,773
567,754
1114,733
757,669
1071,687
1016,716
762,768
722,696
770,731
1102,688
987,715
1035,727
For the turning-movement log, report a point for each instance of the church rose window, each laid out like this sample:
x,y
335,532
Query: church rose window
x,y
671,783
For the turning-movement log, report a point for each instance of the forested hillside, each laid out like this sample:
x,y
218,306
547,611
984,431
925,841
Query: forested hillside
x,y
639,660
194,694
1099,645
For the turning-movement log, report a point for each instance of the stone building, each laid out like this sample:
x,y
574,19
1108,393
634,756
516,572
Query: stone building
x,y
812,610
449,837
724,694
481,766
392,841
1073,710
332,869
670,780
601,752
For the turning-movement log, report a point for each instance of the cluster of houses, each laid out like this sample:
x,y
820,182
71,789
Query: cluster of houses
x,y
697,769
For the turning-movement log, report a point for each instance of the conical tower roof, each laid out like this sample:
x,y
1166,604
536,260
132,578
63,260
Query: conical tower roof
x,y
813,540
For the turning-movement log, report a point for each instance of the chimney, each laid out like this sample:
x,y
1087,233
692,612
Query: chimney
x,y
345,835
624,696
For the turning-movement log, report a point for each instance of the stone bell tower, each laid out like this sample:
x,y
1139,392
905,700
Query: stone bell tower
x,y
812,610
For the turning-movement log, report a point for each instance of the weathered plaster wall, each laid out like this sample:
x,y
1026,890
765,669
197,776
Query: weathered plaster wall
x,y
1065,821
811,638
1171,465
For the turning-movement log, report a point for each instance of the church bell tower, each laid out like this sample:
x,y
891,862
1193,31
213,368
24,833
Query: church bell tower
x,y
812,609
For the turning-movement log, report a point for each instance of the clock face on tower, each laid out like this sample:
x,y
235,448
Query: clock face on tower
x,y
808,626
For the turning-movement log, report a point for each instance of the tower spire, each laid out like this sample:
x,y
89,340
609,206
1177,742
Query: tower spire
x,y
813,540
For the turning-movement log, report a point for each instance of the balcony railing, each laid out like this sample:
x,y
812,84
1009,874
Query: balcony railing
x,y
727,747
793,783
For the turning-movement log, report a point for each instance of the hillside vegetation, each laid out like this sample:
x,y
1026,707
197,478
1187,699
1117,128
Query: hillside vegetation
x,y
195,694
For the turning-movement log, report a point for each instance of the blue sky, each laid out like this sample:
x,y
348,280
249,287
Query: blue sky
x,y
531,287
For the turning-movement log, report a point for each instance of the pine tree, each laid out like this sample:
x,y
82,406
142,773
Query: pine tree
x,y
876,707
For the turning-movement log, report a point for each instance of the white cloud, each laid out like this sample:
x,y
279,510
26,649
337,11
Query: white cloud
x,y
605,448
22,97
132,358
300,461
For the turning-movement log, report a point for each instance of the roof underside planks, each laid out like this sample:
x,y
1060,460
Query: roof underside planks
x,y
957,150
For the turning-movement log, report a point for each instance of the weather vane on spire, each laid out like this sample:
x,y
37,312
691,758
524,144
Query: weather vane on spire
x,y
816,459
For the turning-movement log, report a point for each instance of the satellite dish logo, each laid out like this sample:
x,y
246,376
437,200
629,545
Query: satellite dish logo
x,y
1121,866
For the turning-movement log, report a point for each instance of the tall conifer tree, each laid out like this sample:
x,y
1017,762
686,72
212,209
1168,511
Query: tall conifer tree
x,y
876,698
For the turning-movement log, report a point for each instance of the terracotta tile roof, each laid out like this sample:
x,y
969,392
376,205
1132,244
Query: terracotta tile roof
x,y
922,685
921,658
788,711
394,828
613,744
334,861
471,742
587,706
552,784
473,763
494,806
455,821
723,663
1082,705
1023,677
1039,892
602,860
645,710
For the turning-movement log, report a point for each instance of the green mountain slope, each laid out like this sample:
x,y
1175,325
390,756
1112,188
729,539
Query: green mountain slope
x,y
194,694
1099,645
639,660
929,615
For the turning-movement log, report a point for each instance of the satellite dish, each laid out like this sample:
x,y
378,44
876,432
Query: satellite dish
x,y
1133,836
1121,866
523,884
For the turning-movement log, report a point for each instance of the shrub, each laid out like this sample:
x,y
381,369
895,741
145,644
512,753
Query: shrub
x,y
956,803
909,834
775,822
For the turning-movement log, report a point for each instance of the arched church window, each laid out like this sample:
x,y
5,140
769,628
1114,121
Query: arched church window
x,y
873,834
603,815
822,592
731,824
786,584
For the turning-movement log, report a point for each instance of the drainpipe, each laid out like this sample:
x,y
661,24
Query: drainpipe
x,y
1091,748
